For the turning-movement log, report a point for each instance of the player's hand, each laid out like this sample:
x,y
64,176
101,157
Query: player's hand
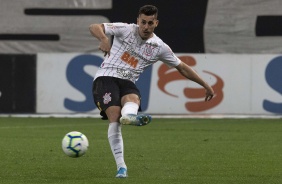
x,y
209,94
105,46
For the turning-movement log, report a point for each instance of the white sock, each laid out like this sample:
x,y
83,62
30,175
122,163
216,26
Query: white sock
x,y
129,108
116,143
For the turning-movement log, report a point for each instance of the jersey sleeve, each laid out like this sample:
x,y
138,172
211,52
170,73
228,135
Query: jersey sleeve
x,y
115,29
168,57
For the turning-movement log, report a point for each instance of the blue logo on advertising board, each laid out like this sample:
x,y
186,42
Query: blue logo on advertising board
x,y
273,76
82,81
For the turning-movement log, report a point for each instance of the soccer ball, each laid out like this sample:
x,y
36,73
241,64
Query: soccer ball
x,y
75,144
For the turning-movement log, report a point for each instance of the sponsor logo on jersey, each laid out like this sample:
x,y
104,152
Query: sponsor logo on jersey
x,y
124,73
129,59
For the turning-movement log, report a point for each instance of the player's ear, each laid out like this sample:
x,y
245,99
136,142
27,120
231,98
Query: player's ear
x,y
157,23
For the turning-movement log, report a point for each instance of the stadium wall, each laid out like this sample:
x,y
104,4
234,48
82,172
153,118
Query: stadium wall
x,y
33,26
202,26
17,83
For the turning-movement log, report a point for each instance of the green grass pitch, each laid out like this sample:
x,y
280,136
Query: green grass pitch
x,y
202,151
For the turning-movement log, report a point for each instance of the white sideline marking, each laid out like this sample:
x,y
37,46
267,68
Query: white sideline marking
x,y
46,126
208,116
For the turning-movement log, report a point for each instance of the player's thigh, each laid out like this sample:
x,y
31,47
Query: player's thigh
x,y
129,92
132,97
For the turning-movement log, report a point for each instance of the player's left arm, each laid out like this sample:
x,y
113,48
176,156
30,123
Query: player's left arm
x,y
190,74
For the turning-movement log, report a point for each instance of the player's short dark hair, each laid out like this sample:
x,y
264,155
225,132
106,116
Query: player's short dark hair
x,y
148,10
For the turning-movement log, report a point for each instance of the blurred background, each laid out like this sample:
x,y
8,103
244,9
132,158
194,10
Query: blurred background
x,y
48,57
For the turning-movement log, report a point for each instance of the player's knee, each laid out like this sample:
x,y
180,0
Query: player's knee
x,y
130,98
113,113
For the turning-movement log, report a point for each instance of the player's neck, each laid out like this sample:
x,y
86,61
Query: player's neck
x,y
145,39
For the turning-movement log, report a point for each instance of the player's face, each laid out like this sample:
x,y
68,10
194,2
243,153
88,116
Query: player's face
x,y
147,25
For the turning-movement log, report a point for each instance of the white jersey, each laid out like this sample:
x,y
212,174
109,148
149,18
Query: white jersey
x,y
130,55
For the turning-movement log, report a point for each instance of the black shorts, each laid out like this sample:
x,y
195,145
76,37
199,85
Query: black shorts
x,y
108,91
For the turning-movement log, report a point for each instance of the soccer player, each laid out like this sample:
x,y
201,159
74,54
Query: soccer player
x,y
134,48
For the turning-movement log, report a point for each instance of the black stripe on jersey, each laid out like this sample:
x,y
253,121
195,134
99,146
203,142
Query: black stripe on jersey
x,y
117,54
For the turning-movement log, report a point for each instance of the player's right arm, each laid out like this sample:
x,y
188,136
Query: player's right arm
x,y
98,31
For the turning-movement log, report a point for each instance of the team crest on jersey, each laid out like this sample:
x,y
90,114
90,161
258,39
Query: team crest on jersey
x,y
107,98
149,50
